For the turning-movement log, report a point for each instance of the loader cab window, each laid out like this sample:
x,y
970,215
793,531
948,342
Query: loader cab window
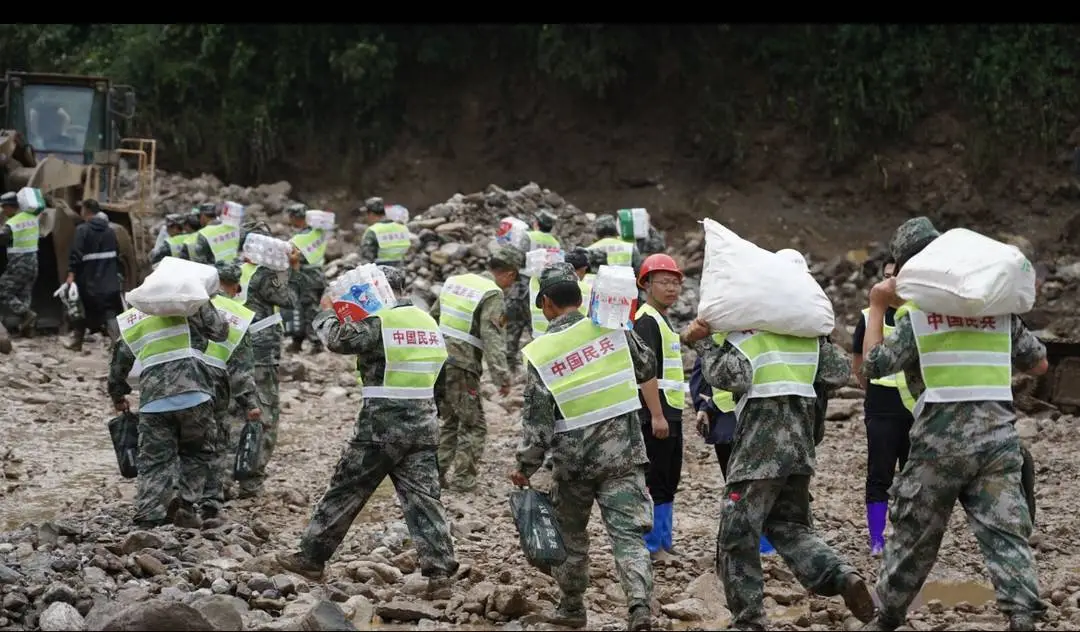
x,y
60,120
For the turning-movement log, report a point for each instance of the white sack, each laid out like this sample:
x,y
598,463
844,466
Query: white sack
x,y
963,273
30,199
177,287
747,287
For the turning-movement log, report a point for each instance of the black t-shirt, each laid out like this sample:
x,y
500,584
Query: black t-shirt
x,y
880,400
649,331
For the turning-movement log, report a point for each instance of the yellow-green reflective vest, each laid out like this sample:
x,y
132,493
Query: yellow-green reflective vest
x,y
460,297
889,381
962,359
540,239
155,340
783,365
724,400
415,353
247,270
586,293
619,252
224,240
672,383
312,244
25,233
589,372
393,241
176,242
239,318
539,322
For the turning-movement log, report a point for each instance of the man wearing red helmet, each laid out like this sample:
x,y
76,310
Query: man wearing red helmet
x,y
662,279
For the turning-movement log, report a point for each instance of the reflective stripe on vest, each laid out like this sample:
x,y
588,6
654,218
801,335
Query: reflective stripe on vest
x,y
783,365
539,321
415,353
619,252
224,240
100,256
671,383
25,233
312,244
589,372
540,239
155,340
175,243
724,400
247,271
393,241
886,329
963,359
460,297
586,295
239,318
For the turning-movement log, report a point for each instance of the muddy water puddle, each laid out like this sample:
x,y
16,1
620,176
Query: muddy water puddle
x,y
952,593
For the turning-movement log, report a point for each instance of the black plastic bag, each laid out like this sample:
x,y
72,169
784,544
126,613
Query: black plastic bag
x,y
538,530
124,431
248,451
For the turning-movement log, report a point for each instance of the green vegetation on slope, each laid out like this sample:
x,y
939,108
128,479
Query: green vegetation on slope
x,y
232,98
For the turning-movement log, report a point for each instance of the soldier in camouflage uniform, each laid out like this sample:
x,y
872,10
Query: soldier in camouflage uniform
x,y
607,234
202,252
964,450
470,338
395,436
176,413
768,479
652,244
598,451
234,391
312,288
263,290
173,243
17,280
192,224
518,315
393,237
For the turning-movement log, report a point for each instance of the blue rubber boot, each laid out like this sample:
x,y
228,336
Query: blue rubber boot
x,y
654,538
876,515
765,547
667,515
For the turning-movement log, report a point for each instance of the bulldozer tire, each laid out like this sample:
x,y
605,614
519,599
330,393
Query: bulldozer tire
x,y
1027,481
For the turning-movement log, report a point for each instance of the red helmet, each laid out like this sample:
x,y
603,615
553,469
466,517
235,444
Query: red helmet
x,y
657,263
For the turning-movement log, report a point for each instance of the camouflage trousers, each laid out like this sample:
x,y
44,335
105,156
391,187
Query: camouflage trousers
x,y
175,443
779,507
359,472
17,286
514,330
627,513
464,429
220,474
923,496
266,391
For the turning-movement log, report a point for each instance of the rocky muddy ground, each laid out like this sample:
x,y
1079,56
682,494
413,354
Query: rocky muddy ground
x,y
69,558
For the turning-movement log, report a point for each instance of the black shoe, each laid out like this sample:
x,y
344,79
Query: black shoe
x,y
640,618
302,566
186,518
1021,622
857,598
146,525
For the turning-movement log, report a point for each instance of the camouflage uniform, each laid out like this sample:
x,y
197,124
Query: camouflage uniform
x,y
768,489
960,451
369,242
18,278
602,463
234,395
518,319
310,289
464,428
607,226
393,437
266,290
186,435
652,244
164,249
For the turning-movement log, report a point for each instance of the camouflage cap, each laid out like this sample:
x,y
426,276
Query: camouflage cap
x,y
597,258
9,199
228,271
396,277
192,219
256,226
209,209
545,219
175,219
606,226
553,275
296,210
375,205
578,257
912,236
508,257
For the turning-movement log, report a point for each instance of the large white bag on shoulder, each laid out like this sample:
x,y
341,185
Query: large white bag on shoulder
x,y
177,287
963,273
744,286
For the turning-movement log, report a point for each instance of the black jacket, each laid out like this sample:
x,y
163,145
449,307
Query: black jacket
x,y
96,273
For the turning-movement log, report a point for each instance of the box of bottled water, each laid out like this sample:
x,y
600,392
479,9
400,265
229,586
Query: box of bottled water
x,y
633,223
397,213
512,232
614,297
537,260
267,251
320,220
361,292
232,214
